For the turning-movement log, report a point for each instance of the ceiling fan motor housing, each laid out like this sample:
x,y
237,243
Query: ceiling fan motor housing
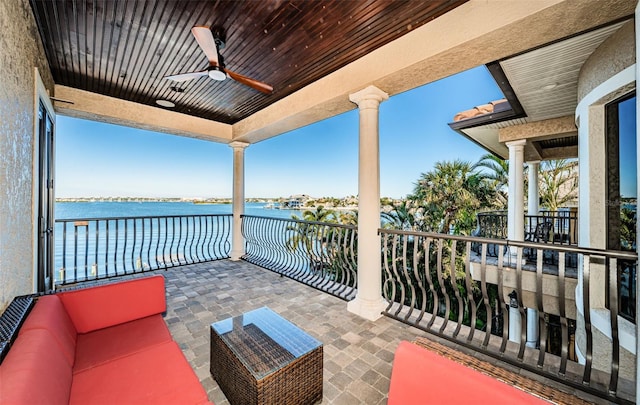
x,y
220,36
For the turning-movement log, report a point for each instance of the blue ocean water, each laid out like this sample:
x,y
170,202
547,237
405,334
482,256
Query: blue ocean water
x,y
77,210
104,243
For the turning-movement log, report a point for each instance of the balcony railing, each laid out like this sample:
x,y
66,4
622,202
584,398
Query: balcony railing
x,y
557,227
447,285
95,248
319,254
437,283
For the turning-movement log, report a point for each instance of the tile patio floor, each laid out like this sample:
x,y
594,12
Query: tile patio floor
x,y
357,353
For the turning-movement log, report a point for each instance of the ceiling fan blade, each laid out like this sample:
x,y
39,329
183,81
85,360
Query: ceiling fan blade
x,y
204,37
183,77
263,87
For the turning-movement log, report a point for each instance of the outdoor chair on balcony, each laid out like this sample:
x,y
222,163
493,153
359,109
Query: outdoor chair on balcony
x,y
542,233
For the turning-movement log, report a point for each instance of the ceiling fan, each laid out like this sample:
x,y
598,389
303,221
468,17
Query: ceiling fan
x,y
211,41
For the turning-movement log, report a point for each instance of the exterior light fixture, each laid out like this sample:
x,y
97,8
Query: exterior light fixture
x,y
165,103
513,299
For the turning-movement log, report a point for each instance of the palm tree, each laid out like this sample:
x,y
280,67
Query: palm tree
x,y
558,183
320,214
311,238
495,171
628,219
403,215
451,194
349,218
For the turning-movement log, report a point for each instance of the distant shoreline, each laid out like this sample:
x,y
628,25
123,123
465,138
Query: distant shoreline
x,y
221,201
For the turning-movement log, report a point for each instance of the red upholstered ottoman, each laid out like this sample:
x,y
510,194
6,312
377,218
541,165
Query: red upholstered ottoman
x,y
420,376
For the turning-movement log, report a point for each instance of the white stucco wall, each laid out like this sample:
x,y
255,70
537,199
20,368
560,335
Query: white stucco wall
x,y
20,52
607,75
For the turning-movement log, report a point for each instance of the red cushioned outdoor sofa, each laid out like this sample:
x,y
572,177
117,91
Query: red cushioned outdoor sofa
x,y
101,345
420,377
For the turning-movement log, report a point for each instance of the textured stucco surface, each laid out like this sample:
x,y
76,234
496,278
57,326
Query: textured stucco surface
x,y
602,351
597,86
20,51
612,56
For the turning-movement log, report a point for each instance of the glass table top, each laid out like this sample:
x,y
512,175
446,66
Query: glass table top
x,y
264,341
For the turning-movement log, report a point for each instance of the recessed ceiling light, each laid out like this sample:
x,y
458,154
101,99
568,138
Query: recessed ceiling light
x,y
165,103
550,86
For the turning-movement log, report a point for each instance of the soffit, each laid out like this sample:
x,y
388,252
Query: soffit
x,y
545,80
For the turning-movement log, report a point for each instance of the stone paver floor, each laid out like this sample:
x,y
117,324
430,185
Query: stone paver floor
x,y
358,354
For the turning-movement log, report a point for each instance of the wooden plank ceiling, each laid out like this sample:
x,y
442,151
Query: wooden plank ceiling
x,y
124,48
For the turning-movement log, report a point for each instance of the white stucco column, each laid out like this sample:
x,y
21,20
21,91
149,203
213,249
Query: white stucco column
x,y
515,215
533,195
237,241
515,218
368,302
533,199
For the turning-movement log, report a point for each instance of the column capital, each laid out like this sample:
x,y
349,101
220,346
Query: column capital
x,y
369,93
533,162
515,144
238,144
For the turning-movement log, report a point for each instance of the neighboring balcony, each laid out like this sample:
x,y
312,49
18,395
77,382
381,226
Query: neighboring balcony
x,y
518,314
557,227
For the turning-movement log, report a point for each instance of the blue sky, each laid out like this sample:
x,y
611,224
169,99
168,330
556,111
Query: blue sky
x,y
96,159
628,174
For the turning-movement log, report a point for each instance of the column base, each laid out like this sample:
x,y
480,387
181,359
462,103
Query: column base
x,y
367,309
236,255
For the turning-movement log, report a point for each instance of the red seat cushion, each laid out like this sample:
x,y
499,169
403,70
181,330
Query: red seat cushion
x,y
101,346
159,375
112,304
35,371
49,314
421,377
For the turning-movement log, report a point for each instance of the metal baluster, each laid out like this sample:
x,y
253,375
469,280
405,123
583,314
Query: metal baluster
x,y
417,275
63,272
504,305
75,254
133,245
542,325
152,240
612,269
443,290
396,279
469,286
586,305
390,290
485,295
432,288
106,248
454,285
124,248
97,234
115,248
563,317
523,318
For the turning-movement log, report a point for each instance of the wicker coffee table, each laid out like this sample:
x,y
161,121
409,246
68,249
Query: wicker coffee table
x,y
261,358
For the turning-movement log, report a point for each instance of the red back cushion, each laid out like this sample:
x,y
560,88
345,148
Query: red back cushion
x,y
112,304
49,314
